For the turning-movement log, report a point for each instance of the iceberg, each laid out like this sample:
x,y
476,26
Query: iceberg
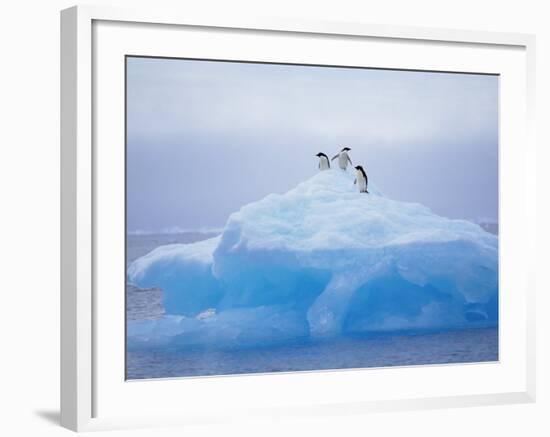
x,y
321,260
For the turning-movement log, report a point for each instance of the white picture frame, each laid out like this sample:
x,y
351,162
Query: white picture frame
x,y
87,400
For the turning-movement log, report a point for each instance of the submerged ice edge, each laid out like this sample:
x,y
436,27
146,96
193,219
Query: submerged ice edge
x,y
426,348
321,260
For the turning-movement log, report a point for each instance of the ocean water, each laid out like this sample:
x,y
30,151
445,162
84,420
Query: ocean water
x,y
465,346
476,345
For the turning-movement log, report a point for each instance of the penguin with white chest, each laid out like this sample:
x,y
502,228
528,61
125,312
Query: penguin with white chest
x,y
343,158
361,180
324,163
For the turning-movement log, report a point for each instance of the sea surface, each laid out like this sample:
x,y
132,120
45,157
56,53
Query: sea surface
x,y
465,346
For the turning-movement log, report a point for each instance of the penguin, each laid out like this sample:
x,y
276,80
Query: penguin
x,y
324,163
361,180
343,158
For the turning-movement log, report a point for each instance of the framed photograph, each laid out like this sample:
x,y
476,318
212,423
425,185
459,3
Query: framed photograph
x,y
266,218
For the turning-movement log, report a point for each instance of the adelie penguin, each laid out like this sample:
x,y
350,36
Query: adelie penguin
x,y
343,158
361,180
324,163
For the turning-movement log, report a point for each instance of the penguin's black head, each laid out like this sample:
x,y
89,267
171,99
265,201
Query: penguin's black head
x,y
359,168
346,149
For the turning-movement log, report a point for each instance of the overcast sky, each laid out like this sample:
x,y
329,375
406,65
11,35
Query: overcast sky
x,y
206,137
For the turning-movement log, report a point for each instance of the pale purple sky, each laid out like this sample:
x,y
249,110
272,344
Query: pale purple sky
x,y
206,137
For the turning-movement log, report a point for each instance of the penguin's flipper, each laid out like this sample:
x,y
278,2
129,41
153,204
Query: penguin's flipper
x,y
349,159
355,181
334,157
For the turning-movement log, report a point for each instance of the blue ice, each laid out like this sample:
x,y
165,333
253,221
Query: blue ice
x,y
321,260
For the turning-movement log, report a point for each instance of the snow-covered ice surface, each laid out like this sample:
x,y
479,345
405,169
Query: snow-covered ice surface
x,y
320,262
